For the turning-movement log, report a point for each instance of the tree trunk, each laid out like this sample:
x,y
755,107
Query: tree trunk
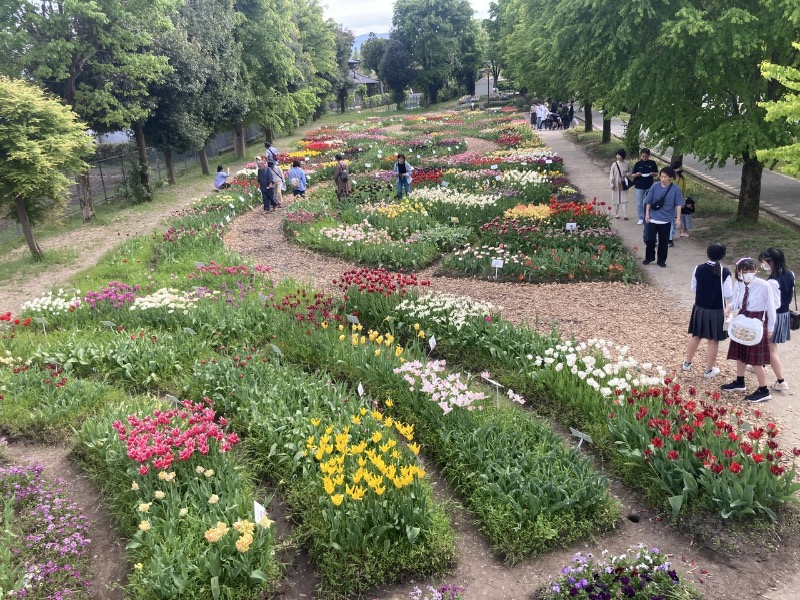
x,y
239,146
750,190
204,161
85,196
587,116
606,128
170,166
27,231
144,171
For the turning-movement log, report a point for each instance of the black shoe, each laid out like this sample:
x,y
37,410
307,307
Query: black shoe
x,y
646,261
266,210
733,386
758,396
662,265
671,244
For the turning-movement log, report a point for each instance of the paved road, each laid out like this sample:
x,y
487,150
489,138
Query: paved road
x,y
780,194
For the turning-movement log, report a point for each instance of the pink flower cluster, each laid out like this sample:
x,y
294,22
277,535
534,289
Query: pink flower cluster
x,y
117,295
159,439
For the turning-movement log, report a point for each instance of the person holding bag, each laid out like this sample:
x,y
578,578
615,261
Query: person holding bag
x,y
754,299
620,182
663,204
712,285
782,282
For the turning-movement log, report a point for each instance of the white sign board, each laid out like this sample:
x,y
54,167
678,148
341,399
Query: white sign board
x,y
497,263
571,226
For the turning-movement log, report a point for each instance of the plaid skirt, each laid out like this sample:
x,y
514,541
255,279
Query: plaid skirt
x,y
751,355
782,332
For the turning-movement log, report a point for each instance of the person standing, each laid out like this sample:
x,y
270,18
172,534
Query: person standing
x,y
271,151
662,208
266,184
643,172
402,171
782,282
712,285
279,181
571,113
563,112
753,298
297,178
341,177
542,114
619,195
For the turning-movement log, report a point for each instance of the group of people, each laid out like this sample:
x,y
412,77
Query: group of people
x,y
401,171
553,116
719,293
662,208
272,180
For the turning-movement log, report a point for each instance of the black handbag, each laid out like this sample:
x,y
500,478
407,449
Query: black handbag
x,y
794,316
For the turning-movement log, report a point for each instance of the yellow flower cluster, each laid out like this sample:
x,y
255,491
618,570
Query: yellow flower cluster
x,y
215,534
245,529
406,206
351,469
530,211
375,338
301,154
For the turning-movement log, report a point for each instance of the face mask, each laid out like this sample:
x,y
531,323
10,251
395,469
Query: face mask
x,y
748,277
765,266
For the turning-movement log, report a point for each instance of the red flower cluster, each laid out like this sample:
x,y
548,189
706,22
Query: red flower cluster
x,y
378,281
214,268
322,309
509,139
10,319
427,175
167,435
577,209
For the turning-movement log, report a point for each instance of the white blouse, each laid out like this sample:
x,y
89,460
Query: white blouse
x,y
760,297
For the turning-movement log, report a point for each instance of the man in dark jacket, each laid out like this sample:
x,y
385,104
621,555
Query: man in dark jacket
x,y
266,185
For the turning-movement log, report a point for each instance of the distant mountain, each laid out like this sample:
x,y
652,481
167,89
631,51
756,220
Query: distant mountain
x,y
360,39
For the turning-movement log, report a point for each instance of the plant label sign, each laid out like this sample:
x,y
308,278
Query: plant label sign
x,y
498,177
259,512
493,167
360,389
445,184
497,263
548,162
276,350
454,220
582,437
352,319
432,342
367,165
572,226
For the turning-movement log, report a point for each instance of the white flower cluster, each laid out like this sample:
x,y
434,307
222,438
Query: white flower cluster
x,y
360,232
620,371
12,361
445,309
58,303
530,155
168,298
442,195
517,178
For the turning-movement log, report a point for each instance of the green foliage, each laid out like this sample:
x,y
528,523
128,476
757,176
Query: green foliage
x,y
785,110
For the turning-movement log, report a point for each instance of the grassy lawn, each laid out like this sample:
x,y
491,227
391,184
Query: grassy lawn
x,y
715,219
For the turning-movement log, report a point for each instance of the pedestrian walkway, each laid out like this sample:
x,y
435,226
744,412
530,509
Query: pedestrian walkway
x,y
780,194
674,281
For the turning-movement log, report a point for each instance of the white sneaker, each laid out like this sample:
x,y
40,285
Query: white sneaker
x,y
781,387
712,372
639,222
686,366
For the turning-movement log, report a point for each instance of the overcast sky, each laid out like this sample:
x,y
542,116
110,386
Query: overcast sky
x,y
363,16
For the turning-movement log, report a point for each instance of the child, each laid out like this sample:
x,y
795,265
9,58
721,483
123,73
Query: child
x,y
687,212
753,298
712,285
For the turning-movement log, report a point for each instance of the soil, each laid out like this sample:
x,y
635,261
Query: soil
x,y
650,319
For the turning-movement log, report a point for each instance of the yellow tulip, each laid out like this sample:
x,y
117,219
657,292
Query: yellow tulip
x,y
414,447
341,338
337,499
315,422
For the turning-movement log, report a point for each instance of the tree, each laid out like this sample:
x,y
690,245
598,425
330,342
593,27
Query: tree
x,y
432,32
343,82
372,52
316,53
493,28
787,110
41,140
96,55
472,56
395,70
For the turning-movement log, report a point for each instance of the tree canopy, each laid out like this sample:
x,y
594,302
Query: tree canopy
x,y
41,141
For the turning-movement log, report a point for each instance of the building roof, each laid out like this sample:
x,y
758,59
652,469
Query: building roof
x,y
359,78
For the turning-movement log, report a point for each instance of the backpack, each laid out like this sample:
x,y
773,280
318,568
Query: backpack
x,y
295,181
343,174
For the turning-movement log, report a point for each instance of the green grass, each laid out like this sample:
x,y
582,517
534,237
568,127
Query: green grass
x,y
26,266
